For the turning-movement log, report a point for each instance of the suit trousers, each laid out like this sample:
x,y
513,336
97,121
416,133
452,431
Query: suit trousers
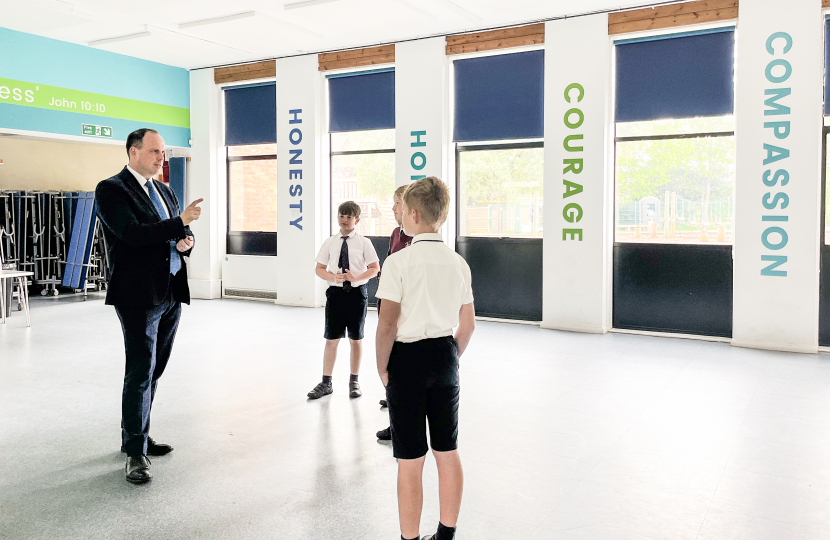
x,y
148,341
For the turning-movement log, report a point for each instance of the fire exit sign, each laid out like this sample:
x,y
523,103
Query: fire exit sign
x,y
97,131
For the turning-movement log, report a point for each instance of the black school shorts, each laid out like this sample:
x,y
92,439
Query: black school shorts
x,y
346,310
423,388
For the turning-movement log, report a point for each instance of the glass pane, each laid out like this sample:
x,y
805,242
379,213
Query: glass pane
x,y
253,195
368,180
501,192
253,150
827,196
378,139
676,126
679,191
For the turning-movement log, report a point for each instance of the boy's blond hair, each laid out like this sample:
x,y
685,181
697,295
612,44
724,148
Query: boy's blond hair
x,y
349,208
431,197
400,191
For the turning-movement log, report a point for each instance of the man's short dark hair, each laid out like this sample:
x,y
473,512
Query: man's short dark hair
x,y
349,208
136,138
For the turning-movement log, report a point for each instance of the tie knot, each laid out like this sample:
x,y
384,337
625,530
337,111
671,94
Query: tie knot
x,y
344,237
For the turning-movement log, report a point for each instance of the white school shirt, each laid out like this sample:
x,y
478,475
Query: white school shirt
x,y
431,282
143,181
361,254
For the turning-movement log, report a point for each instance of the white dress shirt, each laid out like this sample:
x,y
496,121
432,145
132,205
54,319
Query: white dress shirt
x,y
361,254
431,282
144,183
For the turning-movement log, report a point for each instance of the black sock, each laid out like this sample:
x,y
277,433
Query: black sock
x,y
352,378
326,379
444,532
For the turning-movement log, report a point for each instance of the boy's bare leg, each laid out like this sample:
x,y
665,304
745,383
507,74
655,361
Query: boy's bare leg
x,y
329,356
356,353
450,485
410,495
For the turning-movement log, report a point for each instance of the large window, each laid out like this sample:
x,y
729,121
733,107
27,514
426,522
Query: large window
x,y
675,181
500,190
363,171
252,188
251,154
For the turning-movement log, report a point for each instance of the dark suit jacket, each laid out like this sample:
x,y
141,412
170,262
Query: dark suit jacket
x,y
138,242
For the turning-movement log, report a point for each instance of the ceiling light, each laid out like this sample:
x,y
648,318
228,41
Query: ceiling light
x,y
306,3
128,37
218,20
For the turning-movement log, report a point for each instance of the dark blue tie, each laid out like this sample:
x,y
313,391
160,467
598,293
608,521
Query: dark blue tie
x,y
175,261
344,261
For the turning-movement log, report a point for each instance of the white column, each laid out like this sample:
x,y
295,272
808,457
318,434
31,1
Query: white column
x,y
778,117
205,180
299,180
421,104
576,257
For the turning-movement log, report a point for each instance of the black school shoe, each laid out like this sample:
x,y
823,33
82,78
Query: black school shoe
x,y
384,434
322,389
153,448
383,403
354,389
137,470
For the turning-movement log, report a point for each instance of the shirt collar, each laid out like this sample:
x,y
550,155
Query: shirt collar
x,y
141,180
427,236
350,235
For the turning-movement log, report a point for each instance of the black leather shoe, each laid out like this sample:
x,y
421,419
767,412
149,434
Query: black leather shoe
x,y
322,389
153,448
428,537
138,470
383,403
354,389
385,434
156,449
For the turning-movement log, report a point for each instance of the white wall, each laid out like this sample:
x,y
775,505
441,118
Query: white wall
x,y
300,195
776,307
206,180
577,88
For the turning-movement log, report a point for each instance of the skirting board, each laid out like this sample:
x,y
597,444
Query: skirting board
x,y
581,329
205,289
774,347
510,321
670,335
298,304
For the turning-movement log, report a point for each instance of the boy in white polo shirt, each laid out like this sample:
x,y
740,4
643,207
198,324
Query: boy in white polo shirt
x,y
347,261
426,291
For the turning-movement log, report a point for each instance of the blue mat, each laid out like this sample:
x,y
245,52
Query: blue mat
x,y
80,243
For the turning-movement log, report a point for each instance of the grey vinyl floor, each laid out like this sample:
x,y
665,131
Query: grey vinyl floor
x,y
562,435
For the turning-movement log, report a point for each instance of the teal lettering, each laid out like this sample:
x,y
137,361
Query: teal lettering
x,y
773,230
417,135
775,153
770,205
788,70
776,108
776,260
780,175
781,130
788,42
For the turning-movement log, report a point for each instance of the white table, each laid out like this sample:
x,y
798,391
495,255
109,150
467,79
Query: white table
x,y
23,293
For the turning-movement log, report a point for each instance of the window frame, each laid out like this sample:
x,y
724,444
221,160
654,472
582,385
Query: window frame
x,y
248,239
489,145
331,172
675,136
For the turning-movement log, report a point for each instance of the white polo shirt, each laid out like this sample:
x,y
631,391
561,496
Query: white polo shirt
x,y
431,282
361,254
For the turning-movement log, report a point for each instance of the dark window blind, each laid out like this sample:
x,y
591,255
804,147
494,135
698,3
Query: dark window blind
x,y
362,101
251,114
500,97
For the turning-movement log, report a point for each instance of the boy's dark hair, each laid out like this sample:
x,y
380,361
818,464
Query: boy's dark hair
x,y
136,138
349,208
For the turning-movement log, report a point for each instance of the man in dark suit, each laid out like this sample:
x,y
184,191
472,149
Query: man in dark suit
x,y
147,238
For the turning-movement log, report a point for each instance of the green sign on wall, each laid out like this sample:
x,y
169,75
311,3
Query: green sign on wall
x,y
96,131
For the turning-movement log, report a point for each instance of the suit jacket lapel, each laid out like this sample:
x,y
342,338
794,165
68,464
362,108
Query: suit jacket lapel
x,y
138,192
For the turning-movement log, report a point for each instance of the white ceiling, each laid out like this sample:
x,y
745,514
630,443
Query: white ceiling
x,y
199,33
